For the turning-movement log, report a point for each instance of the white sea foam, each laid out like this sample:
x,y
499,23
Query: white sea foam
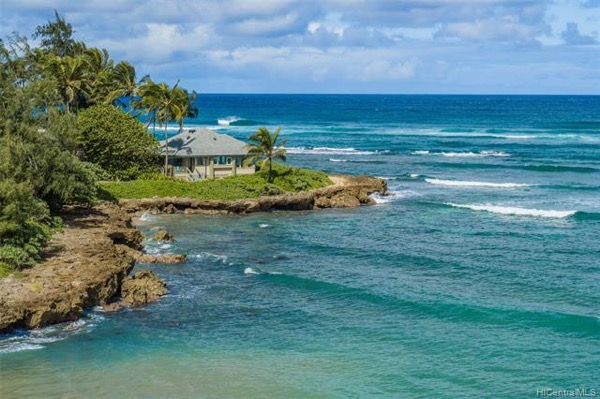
x,y
381,199
145,217
509,210
151,250
469,154
264,225
391,195
337,160
250,270
386,177
210,256
327,151
38,339
481,154
228,120
21,346
458,183
515,136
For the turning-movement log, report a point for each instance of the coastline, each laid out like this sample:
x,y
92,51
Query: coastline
x,y
86,264
346,192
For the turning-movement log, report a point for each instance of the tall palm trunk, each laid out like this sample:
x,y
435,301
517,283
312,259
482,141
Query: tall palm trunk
x,y
166,151
270,170
154,125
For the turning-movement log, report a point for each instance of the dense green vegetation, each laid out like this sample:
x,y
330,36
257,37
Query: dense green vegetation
x,y
285,179
117,142
63,126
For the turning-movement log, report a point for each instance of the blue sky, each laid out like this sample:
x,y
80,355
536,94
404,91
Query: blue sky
x,y
341,46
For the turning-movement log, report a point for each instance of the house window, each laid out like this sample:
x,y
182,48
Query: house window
x,y
200,161
222,160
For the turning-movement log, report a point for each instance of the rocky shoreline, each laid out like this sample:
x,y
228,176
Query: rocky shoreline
x,y
346,192
89,263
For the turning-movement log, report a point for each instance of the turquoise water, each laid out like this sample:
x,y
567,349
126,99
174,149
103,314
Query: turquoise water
x,y
479,277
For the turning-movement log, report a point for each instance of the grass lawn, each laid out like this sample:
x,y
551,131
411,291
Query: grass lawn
x,y
287,179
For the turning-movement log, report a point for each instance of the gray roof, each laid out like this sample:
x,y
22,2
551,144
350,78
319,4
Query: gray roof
x,y
200,142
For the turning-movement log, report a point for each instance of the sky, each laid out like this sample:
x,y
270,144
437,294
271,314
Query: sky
x,y
340,46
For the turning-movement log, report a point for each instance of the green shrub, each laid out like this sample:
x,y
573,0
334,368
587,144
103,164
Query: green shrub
x,y
270,189
5,270
15,257
287,179
117,142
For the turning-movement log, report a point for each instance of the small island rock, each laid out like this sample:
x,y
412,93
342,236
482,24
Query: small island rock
x,y
163,235
144,287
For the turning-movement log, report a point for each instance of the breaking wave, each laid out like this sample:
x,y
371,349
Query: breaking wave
x,y
458,183
237,121
509,210
328,151
469,154
39,339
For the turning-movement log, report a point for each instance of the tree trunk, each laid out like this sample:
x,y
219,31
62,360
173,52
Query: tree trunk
x,y
166,151
154,125
270,171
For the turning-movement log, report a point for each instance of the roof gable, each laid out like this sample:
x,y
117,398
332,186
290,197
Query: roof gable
x,y
201,142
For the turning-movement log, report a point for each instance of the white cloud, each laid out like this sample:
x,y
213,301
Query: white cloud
x,y
160,42
339,45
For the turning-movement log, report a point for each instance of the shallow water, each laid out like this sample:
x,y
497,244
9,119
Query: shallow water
x,y
479,277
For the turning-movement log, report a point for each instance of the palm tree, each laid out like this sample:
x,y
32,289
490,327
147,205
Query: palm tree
x,y
124,83
185,107
70,76
264,146
148,100
100,71
166,104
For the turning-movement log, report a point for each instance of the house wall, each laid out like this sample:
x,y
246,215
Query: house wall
x,y
210,167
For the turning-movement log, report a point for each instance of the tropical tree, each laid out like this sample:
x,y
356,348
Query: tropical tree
x,y
57,38
148,100
185,107
124,83
265,146
70,77
116,141
100,72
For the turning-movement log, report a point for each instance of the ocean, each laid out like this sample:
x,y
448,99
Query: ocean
x,y
478,277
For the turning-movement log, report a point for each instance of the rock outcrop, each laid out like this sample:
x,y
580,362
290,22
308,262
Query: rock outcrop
x,y
166,258
163,235
84,266
348,192
142,288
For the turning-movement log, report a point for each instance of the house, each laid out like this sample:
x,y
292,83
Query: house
x,y
205,154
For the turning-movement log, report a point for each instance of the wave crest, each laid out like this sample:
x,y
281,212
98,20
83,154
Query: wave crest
x,y
328,151
469,154
236,121
458,183
509,210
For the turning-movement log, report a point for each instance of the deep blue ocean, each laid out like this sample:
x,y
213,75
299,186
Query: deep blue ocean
x,y
478,277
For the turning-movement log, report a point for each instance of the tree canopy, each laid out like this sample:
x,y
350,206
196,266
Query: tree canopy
x,y
117,142
266,146
64,123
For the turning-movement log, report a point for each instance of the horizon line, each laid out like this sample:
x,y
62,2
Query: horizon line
x,y
402,94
